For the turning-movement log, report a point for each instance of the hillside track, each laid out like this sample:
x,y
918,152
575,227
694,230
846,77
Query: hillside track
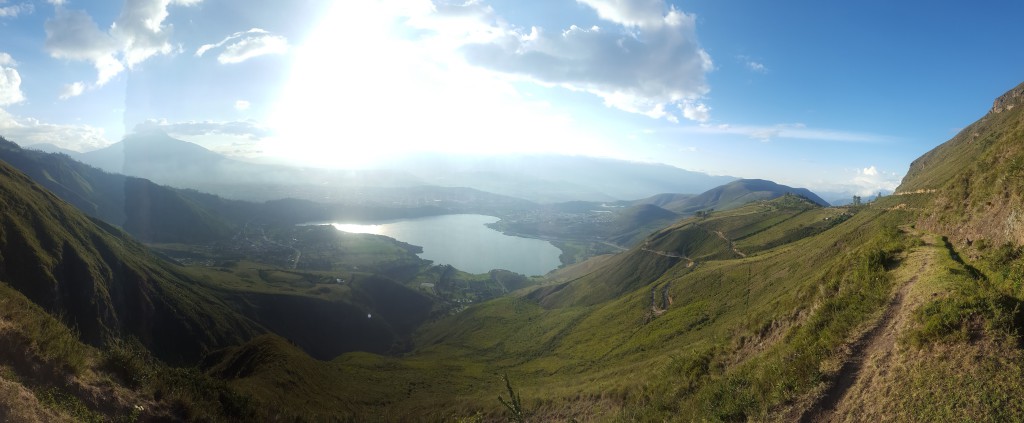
x,y
873,349
732,246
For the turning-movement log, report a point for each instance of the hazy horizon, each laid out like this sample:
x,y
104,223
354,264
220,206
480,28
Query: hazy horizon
x,y
692,85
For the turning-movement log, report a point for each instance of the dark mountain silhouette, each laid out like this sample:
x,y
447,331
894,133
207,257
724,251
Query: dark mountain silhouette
x,y
146,210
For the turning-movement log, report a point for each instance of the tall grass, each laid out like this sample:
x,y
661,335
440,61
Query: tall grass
x,y
46,337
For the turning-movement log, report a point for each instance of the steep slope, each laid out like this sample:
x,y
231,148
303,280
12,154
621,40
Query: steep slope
x,y
583,221
148,211
971,187
667,200
730,196
101,282
760,225
371,314
105,285
157,214
634,223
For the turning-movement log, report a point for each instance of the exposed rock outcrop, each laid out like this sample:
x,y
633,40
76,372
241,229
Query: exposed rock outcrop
x,y
1008,101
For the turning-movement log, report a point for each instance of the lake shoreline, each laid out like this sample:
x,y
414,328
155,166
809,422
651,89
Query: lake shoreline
x,y
465,241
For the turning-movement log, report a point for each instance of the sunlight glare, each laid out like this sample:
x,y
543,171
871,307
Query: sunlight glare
x,y
360,93
354,228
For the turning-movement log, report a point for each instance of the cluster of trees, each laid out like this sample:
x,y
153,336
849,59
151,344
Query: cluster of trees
x,y
857,199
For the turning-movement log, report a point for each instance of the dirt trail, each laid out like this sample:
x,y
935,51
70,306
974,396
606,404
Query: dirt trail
x,y
874,347
689,262
732,245
666,300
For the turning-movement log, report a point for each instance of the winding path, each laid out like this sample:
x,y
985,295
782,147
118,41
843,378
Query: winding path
x,y
689,261
878,343
732,245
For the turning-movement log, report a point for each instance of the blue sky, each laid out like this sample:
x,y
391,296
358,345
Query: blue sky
x,y
833,96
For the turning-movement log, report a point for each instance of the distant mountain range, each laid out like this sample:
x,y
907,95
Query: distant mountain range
x,y
538,178
148,211
165,160
157,213
551,178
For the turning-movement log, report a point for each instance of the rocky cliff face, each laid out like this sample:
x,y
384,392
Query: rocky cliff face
x,y
974,183
1008,101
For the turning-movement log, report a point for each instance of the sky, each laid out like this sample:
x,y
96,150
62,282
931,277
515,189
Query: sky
x,y
834,96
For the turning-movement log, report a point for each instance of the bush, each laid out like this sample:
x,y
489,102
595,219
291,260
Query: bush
x,y
130,361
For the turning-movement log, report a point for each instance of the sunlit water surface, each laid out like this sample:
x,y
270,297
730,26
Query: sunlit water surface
x,y
463,241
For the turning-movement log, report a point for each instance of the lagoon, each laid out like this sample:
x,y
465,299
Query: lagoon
x,y
463,241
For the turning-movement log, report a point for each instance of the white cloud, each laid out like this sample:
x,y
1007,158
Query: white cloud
x,y
28,131
869,181
696,111
646,60
10,81
240,128
57,2
13,11
72,90
752,64
640,13
253,47
74,35
137,34
797,131
242,46
242,138
242,105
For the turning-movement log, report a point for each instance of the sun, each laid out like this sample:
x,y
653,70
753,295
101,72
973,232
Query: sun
x,y
362,90
326,111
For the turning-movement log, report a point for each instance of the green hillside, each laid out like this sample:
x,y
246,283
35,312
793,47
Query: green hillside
x,y
729,196
82,299
148,211
101,282
626,339
693,240
772,336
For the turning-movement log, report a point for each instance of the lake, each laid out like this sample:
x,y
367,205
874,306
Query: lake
x,y
463,241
